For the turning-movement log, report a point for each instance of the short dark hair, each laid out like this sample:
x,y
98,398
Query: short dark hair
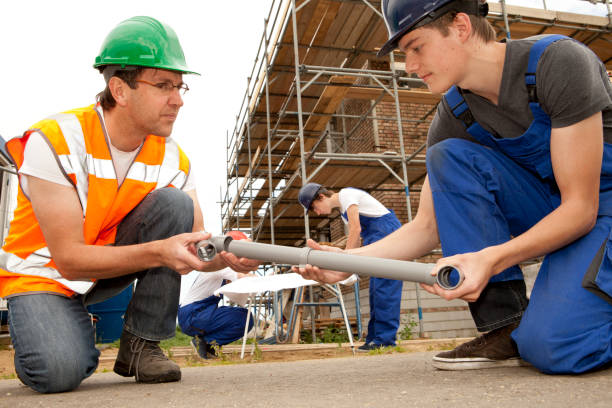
x,y
129,75
324,192
480,25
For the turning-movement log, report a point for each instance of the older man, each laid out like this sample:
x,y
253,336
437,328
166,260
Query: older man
x,y
106,197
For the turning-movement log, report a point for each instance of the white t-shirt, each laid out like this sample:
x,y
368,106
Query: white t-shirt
x,y
206,283
39,161
368,205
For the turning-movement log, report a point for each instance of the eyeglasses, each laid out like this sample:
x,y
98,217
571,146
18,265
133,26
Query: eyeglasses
x,y
167,87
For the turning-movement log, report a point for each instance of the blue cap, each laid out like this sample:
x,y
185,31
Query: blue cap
x,y
308,193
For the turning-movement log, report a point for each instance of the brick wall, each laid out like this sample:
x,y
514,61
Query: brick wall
x,y
363,140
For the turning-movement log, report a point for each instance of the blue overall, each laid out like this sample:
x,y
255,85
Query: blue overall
x,y
207,320
486,193
385,294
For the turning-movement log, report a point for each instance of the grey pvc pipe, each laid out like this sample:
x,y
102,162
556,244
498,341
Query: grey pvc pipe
x,y
447,277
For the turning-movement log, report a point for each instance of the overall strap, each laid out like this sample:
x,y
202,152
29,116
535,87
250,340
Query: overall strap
x,y
459,106
535,53
461,111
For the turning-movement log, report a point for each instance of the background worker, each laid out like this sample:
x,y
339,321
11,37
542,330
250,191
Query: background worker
x,y
519,166
105,198
201,317
369,220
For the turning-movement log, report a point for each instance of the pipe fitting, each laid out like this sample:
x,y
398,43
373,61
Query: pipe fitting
x,y
449,277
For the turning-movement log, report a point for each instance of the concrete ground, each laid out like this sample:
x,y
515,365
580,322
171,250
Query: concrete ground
x,y
389,380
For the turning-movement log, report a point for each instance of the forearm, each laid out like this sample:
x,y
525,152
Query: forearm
x,y
411,241
354,227
576,156
353,240
98,262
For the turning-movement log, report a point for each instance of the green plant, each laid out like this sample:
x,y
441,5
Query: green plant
x,y
258,354
238,342
179,340
332,334
399,349
405,333
382,350
306,337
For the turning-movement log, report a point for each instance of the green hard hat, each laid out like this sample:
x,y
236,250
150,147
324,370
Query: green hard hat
x,y
143,41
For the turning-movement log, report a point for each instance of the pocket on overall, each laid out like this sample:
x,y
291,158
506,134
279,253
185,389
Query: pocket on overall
x,y
598,277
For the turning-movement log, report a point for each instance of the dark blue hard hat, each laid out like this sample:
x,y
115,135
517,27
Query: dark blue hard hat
x,y
308,193
402,16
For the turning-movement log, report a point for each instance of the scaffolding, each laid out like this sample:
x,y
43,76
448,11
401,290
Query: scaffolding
x,y
318,100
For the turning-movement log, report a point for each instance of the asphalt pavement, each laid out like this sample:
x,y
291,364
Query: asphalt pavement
x,y
390,380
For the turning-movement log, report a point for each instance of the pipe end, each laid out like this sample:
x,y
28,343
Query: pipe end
x,y
449,277
206,251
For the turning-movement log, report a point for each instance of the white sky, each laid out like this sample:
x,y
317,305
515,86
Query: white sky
x,y
47,49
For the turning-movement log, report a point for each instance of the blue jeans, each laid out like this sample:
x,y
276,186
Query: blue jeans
x,y
52,335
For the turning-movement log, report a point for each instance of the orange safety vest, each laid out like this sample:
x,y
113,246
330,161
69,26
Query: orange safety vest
x,y
80,146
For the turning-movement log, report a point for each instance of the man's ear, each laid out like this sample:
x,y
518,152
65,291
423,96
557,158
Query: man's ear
x,y
119,90
463,26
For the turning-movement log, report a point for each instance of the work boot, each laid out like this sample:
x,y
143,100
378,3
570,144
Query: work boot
x,y
204,350
145,360
493,349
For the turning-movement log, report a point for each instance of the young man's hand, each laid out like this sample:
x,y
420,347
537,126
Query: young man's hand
x,y
320,275
476,269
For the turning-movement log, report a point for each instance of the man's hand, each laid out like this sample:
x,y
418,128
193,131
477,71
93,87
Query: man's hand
x,y
477,270
179,253
320,275
243,265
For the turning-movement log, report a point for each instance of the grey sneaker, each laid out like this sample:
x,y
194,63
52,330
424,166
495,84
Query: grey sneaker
x,y
145,360
493,349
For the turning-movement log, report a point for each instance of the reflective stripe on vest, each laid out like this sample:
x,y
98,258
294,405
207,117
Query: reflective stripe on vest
x,y
81,148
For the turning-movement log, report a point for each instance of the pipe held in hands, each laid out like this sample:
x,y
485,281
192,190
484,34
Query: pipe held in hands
x,y
447,278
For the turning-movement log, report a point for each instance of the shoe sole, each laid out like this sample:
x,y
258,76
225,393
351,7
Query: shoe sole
x,y
171,376
122,370
475,363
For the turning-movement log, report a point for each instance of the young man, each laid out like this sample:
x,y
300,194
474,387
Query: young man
x,y
519,166
105,197
367,218
201,317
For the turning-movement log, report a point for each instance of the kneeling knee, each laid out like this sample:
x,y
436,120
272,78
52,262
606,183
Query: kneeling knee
x,y
553,352
52,374
173,208
169,197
